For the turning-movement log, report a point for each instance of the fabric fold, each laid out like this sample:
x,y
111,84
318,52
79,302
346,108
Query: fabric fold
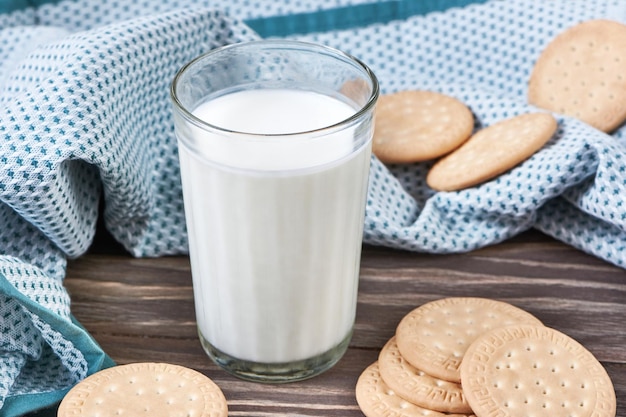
x,y
93,109
84,115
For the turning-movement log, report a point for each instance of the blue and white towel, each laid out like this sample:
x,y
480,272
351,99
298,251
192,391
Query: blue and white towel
x,y
85,115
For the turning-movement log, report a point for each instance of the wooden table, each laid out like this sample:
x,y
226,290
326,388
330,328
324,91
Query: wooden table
x,y
142,310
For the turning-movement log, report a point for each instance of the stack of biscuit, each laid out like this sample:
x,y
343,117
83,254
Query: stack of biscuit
x,y
475,356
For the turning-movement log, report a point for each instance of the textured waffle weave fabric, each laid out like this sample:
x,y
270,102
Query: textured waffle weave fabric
x,y
85,113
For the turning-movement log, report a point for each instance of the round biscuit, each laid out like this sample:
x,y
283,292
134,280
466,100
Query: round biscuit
x,y
582,73
434,336
145,389
418,387
418,125
376,399
526,370
492,151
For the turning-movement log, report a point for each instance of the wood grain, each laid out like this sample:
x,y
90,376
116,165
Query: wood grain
x,y
142,310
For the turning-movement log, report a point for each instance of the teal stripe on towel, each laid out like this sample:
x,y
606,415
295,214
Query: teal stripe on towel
x,y
8,6
350,16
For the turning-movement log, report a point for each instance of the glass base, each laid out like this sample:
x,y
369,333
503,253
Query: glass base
x,y
277,372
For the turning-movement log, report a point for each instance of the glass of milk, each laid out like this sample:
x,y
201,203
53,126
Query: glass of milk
x,y
274,140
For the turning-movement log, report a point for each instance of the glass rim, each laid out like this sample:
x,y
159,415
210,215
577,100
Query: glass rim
x,y
371,101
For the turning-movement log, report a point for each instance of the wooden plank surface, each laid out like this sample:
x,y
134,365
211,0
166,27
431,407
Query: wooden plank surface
x,y
142,310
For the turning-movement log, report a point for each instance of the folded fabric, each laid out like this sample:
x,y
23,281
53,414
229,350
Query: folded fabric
x,y
86,113
483,54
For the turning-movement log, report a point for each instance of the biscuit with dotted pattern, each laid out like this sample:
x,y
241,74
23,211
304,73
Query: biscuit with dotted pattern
x,y
418,387
145,389
419,125
526,370
434,336
582,73
492,151
376,399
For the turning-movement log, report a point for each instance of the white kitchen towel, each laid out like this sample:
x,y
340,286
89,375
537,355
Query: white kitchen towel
x,y
85,113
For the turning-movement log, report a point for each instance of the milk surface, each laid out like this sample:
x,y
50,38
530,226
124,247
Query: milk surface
x,y
275,227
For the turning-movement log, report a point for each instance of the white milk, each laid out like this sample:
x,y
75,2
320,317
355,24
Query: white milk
x,y
275,230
